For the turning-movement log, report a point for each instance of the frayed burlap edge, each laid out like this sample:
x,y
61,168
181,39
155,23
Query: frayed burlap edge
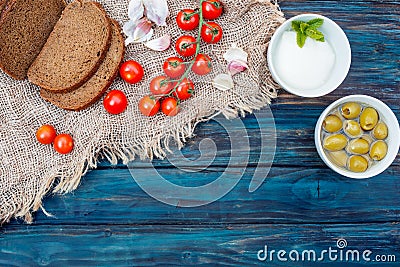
x,y
159,147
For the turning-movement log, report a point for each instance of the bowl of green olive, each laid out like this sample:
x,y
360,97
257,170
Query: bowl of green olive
x,y
358,136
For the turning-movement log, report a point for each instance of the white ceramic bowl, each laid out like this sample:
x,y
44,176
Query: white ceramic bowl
x,y
393,140
338,41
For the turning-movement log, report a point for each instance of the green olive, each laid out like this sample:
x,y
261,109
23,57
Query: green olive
x,y
332,124
369,118
380,131
352,128
351,110
335,142
367,138
358,146
357,164
378,150
338,158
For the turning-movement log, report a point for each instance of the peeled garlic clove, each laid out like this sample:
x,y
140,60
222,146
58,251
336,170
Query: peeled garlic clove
x,y
237,66
159,44
236,53
223,82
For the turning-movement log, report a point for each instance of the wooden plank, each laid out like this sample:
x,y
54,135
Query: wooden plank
x,y
289,195
218,245
294,132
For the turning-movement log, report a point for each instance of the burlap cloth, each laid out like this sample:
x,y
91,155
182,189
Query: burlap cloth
x,y
30,170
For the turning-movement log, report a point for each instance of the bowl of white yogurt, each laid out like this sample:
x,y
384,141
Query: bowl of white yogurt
x,y
317,68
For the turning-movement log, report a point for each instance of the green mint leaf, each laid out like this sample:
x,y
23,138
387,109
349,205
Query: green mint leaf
x,y
301,39
315,23
308,29
314,34
296,25
303,27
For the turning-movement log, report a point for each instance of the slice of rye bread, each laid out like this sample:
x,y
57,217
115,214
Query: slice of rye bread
x,y
92,90
74,50
24,28
2,5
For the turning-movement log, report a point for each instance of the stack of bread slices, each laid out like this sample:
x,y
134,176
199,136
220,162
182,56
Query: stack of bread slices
x,y
72,52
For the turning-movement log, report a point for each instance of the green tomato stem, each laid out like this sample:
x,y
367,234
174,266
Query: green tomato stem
x,y
198,41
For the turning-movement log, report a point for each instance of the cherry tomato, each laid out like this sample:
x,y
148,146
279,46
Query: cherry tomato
x,y
115,102
186,46
63,143
202,65
46,134
149,106
161,85
188,19
170,107
211,33
212,9
131,71
184,90
174,67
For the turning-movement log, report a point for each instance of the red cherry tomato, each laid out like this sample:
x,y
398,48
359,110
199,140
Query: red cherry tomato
x,y
186,46
46,134
115,102
131,71
202,65
185,89
170,107
212,9
161,85
188,19
211,32
149,106
63,143
174,67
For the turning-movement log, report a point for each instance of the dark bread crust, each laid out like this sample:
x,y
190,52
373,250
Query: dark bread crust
x,y
3,3
55,77
22,36
92,91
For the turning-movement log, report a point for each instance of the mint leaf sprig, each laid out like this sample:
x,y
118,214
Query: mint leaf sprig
x,y
308,29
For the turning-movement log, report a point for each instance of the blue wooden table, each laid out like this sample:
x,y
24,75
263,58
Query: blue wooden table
x,y
301,207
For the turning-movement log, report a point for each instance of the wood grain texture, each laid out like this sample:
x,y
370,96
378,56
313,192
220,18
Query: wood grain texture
x,y
289,195
180,245
295,139
110,221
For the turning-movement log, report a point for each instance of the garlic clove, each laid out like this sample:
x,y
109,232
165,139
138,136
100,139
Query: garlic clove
x,y
236,53
142,30
135,10
223,82
159,44
129,28
237,66
157,11
137,32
